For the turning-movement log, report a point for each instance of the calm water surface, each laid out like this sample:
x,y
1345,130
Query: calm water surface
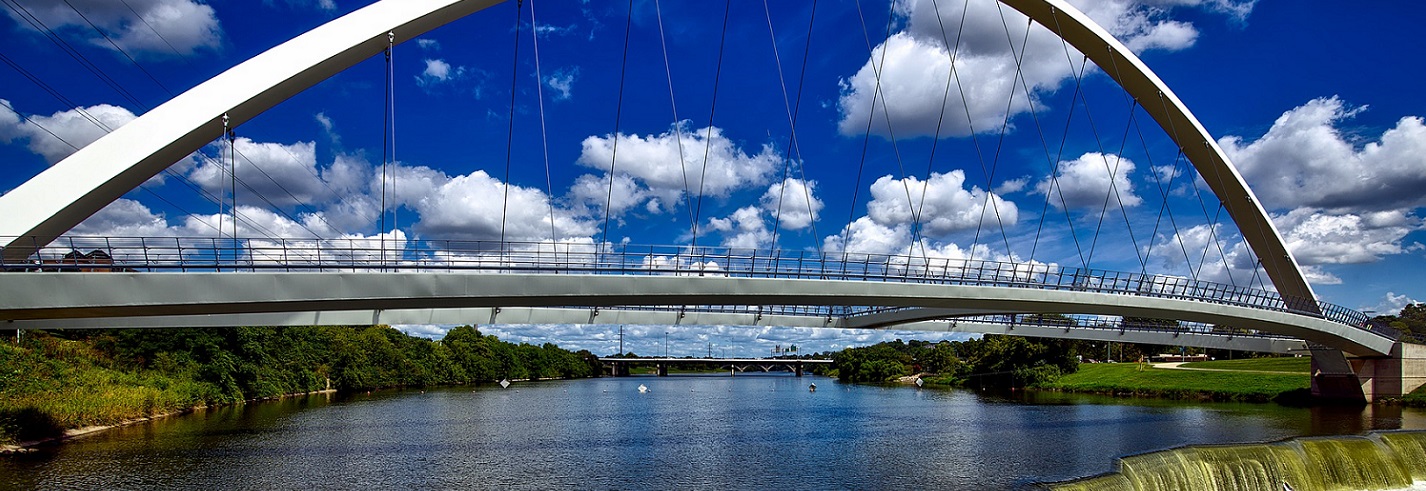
x,y
688,432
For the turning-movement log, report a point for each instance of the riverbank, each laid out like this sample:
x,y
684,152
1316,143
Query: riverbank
x,y
1253,380
71,433
54,382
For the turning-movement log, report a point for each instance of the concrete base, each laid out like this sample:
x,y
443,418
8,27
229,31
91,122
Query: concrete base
x,y
1391,376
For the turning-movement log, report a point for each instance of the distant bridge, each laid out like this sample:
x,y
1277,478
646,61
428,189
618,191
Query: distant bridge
x,y
619,366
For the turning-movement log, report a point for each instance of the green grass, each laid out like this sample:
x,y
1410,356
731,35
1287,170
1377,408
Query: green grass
x,y
1300,365
63,384
1139,380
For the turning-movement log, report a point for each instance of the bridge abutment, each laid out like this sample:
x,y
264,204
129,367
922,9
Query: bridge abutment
x,y
1395,375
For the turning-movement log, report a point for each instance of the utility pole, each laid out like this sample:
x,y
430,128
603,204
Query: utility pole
x,y
665,344
621,340
710,349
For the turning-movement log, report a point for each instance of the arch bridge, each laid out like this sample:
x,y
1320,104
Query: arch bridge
x,y
145,282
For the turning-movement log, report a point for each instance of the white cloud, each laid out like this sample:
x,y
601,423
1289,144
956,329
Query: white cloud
x,y
429,44
562,83
744,229
476,206
916,75
792,203
1317,238
161,27
286,175
1391,304
867,236
662,165
1086,182
1304,160
942,204
438,71
58,135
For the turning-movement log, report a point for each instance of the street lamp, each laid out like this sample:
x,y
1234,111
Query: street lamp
x,y
665,344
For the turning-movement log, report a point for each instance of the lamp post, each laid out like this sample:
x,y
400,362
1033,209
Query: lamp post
x,y
665,344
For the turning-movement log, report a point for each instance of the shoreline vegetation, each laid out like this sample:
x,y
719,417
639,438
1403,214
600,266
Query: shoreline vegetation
x,y
55,382
1002,362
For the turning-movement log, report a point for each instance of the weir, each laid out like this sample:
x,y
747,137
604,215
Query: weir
x,y
1383,460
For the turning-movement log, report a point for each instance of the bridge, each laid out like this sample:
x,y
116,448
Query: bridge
x,y
52,280
619,366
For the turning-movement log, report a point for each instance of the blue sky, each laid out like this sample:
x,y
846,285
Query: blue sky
x,y
1317,103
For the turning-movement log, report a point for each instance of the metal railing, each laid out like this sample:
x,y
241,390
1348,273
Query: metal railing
x,y
175,254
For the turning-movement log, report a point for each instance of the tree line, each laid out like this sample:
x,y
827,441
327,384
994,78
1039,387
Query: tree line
x,y
60,379
1010,361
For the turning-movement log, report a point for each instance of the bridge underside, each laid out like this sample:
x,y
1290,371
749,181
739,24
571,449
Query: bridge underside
x,y
667,317
73,300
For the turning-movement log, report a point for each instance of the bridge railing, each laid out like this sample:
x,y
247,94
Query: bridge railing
x,y
189,254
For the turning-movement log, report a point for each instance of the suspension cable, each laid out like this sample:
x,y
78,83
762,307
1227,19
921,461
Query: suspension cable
x,y
118,48
39,25
712,110
510,129
677,123
618,117
886,116
544,139
386,107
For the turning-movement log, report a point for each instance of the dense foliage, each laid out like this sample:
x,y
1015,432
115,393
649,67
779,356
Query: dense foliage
x,y
991,360
1411,321
66,379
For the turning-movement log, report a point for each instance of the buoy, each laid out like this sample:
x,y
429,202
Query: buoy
x,y
812,388
643,389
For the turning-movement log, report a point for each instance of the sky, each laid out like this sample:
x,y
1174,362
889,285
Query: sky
x,y
557,127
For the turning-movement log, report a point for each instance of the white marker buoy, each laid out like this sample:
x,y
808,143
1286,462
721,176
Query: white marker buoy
x,y
643,389
504,383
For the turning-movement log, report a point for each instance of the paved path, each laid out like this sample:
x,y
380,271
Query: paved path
x,y
1176,366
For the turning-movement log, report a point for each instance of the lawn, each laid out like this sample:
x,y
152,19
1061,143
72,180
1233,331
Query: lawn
x,y
1140,380
1300,365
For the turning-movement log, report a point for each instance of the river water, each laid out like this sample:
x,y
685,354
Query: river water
x,y
687,432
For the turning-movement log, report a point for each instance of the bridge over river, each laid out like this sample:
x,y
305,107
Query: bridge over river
x,y
50,278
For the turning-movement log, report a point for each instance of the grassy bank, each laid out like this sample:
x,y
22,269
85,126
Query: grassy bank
x,y
56,381
57,384
1250,383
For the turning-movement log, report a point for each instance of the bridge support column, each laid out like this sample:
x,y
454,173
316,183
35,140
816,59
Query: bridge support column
x,y
663,369
1403,371
797,368
1333,377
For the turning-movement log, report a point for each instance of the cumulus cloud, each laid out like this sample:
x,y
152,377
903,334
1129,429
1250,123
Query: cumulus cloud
x,y
793,203
286,175
157,28
744,229
1317,238
1304,160
660,166
942,203
477,206
58,135
1391,304
914,72
1090,181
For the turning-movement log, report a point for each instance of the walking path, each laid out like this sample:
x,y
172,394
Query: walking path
x,y
1176,366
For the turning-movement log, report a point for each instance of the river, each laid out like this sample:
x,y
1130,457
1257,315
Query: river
x,y
687,432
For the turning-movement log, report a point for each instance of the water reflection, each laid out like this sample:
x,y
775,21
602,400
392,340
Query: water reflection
x,y
763,431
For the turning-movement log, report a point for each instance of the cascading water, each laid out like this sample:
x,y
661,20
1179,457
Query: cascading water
x,y
1377,461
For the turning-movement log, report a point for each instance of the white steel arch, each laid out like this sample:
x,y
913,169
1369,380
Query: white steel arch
x,y
79,186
